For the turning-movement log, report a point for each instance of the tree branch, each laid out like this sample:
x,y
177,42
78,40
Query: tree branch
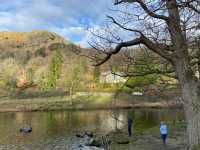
x,y
118,48
145,8
149,72
160,49
189,4
122,26
193,8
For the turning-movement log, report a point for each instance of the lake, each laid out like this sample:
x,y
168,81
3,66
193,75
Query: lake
x,y
57,129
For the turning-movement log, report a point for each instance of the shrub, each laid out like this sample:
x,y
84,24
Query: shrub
x,y
40,52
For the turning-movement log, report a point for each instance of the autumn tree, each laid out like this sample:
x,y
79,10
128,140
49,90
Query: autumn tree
x,y
169,29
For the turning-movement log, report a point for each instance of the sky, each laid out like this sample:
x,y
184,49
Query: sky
x,y
68,18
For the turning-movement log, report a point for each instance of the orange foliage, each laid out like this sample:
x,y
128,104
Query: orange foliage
x,y
22,81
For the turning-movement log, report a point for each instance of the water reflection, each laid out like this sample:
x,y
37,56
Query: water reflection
x,y
49,126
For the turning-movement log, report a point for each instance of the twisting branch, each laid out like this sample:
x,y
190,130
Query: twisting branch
x,y
193,8
149,72
122,26
118,48
190,4
160,49
144,7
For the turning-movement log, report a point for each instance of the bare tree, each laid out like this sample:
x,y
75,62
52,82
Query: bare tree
x,y
168,28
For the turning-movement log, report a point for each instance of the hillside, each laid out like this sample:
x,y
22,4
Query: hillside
x,y
34,37
39,60
20,43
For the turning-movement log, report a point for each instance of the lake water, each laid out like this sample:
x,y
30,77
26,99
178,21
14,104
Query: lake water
x,y
57,129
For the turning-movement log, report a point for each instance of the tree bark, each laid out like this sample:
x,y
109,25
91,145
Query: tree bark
x,y
191,101
189,84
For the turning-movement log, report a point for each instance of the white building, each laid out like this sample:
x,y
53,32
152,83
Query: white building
x,y
108,77
197,74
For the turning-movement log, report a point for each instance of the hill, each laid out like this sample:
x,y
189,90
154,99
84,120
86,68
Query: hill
x,y
39,60
20,43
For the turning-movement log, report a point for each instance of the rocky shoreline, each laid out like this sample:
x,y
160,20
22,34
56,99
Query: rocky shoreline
x,y
148,140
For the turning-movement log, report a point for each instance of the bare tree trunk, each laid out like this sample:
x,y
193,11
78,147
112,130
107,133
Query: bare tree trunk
x,y
192,113
191,101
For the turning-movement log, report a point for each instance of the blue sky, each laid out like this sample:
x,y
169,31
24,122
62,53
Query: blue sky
x,y
68,18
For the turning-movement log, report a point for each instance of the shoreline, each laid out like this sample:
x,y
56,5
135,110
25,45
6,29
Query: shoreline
x,y
150,140
91,102
136,106
147,139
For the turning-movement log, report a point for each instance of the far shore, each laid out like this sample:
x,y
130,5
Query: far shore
x,y
87,102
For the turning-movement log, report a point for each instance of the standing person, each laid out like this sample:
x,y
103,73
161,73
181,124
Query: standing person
x,y
130,122
163,132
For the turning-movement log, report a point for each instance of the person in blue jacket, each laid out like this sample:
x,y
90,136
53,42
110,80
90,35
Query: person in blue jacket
x,y
130,122
163,132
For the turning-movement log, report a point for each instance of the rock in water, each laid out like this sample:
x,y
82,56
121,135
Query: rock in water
x,y
89,134
79,136
26,129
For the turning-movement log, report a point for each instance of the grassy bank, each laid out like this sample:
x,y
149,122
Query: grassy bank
x,y
54,103
84,100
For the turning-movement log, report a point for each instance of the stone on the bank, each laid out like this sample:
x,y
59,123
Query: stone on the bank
x,y
123,142
120,137
96,142
91,148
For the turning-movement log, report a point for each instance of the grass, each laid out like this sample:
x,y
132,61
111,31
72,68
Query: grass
x,y
196,147
81,100
54,103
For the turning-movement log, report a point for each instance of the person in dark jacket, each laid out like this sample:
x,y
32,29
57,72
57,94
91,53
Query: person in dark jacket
x,y
130,122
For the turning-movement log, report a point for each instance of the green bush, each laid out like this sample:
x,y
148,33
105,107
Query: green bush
x,y
142,81
126,89
40,52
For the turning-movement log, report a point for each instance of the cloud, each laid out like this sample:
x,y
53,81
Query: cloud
x,y
6,18
79,35
68,18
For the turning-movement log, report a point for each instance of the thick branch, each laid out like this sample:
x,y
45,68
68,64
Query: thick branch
x,y
160,49
118,48
148,72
